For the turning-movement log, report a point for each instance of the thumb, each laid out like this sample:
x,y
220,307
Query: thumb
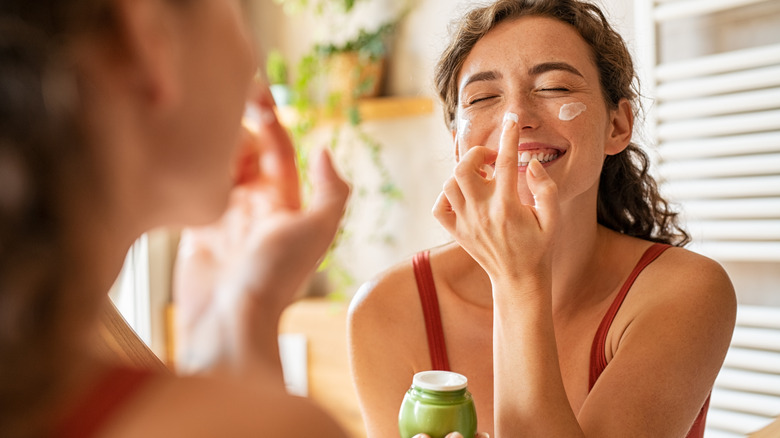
x,y
545,193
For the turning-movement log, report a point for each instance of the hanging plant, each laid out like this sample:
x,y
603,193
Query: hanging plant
x,y
319,7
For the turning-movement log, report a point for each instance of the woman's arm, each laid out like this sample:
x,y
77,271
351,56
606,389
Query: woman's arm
x,y
666,358
676,328
233,279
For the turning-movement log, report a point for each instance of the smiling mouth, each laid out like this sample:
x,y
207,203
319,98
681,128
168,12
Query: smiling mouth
x,y
543,157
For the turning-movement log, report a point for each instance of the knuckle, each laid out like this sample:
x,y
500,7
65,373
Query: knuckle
x,y
461,170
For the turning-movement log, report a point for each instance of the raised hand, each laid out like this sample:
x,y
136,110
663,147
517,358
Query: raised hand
x,y
234,278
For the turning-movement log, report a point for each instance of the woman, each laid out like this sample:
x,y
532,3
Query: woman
x,y
567,298
118,116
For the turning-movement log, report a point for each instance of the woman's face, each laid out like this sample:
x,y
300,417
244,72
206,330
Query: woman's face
x,y
218,64
542,70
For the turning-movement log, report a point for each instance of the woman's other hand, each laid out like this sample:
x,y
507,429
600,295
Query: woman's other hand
x,y
233,279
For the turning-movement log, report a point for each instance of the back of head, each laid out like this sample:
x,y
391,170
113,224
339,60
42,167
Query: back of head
x,y
628,201
41,150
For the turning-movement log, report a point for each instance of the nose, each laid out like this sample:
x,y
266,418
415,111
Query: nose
x,y
527,112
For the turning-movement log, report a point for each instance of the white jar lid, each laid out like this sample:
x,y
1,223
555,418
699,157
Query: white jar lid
x,y
440,380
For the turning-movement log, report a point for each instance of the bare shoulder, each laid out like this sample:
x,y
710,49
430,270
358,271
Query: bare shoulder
x,y
201,407
392,297
385,327
692,276
683,286
390,290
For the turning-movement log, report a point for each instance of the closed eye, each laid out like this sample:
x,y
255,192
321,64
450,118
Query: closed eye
x,y
555,89
480,99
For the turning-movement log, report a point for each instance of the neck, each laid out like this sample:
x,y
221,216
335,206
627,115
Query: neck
x,y
583,247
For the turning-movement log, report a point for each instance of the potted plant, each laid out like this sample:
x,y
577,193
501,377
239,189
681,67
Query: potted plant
x,y
327,83
356,68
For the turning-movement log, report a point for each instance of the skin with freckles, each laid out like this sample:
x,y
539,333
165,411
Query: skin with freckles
x,y
530,274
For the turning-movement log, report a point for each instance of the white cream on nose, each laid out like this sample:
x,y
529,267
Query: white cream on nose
x,y
569,111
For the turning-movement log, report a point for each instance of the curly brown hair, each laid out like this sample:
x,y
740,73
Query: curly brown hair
x,y
43,157
628,199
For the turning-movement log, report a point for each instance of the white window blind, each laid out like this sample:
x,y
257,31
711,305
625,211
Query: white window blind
x,y
131,291
716,121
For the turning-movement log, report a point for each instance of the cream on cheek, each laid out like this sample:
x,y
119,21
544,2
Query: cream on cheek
x,y
570,111
464,128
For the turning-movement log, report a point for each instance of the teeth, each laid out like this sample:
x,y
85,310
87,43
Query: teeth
x,y
524,158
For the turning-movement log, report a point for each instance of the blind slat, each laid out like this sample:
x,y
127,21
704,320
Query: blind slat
x,y
767,186
753,360
736,422
749,381
739,251
757,338
721,167
736,401
720,84
721,105
715,433
758,208
767,230
764,142
752,58
758,316
718,126
687,8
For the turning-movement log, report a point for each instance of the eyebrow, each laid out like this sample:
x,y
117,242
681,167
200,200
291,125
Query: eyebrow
x,y
551,66
490,75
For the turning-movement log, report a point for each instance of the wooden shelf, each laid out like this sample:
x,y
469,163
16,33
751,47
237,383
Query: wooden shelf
x,y
371,109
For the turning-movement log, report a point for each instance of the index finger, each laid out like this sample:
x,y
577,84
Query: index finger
x,y
506,162
276,153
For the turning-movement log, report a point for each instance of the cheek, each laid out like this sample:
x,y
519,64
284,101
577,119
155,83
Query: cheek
x,y
464,129
481,128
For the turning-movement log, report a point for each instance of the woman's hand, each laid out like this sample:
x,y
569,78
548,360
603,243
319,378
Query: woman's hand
x,y
487,218
234,278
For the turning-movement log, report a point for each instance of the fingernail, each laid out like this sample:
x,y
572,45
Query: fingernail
x,y
510,116
256,116
535,167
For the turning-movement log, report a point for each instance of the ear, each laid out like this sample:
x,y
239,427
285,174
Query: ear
x,y
147,32
455,144
620,129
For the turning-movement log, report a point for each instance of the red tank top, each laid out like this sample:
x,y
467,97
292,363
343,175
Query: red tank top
x,y
598,361
89,415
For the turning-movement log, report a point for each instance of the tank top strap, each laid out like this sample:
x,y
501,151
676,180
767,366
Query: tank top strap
x,y
598,359
90,414
431,313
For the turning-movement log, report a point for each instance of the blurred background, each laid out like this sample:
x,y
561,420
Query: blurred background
x,y
357,76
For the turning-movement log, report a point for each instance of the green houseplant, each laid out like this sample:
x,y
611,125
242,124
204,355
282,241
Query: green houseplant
x,y
276,70
327,84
